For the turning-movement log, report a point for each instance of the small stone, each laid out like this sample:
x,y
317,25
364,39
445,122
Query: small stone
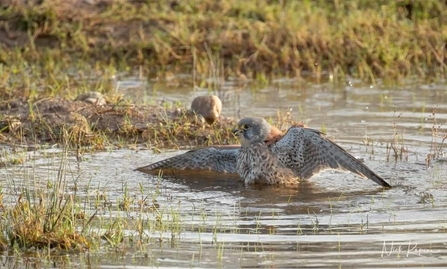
x,y
208,106
94,98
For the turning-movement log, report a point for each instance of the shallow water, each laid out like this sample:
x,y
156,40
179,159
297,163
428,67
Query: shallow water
x,y
332,220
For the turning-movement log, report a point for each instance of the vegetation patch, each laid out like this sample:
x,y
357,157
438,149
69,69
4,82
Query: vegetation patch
x,y
56,120
53,50
362,38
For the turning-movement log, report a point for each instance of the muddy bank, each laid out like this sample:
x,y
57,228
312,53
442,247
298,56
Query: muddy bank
x,y
55,120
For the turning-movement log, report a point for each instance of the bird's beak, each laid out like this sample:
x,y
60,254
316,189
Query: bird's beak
x,y
237,131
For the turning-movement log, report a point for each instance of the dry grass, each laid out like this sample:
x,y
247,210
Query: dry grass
x,y
48,215
52,51
57,120
362,38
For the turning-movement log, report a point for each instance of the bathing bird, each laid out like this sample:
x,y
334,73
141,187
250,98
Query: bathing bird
x,y
266,155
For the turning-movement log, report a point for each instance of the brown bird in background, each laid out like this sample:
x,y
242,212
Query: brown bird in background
x,y
267,155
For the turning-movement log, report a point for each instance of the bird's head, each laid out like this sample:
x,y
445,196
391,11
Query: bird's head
x,y
252,130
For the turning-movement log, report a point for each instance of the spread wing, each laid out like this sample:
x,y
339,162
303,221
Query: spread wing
x,y
307,152
220,159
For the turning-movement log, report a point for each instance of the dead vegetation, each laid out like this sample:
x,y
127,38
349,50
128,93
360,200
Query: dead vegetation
x,y
52,120
367,39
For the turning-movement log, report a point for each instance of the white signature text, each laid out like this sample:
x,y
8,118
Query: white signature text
x,y
405,249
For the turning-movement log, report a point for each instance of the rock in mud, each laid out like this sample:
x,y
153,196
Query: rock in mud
x,y
94,98
209,106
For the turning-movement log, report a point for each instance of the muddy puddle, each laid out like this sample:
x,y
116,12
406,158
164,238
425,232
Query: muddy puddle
x,y
334,220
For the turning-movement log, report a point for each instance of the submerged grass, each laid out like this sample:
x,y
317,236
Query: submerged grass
x,y
56,215
44,218
55,48
48,214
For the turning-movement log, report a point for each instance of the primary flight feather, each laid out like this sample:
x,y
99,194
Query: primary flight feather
x,y
267,155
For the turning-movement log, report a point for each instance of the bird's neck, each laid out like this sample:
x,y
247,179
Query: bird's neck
x,y
274,136
253,148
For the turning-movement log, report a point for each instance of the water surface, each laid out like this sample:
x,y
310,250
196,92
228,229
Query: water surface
x,y
332,220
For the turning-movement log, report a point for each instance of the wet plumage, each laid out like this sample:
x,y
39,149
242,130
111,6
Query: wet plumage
x,y
221,159
266,155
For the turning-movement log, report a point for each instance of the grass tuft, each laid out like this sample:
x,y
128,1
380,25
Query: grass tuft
x,y
253,38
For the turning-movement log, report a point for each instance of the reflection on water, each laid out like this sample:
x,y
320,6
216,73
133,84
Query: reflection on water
x,y
332,220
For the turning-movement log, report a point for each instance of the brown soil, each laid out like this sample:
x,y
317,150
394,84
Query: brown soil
x,y
58,120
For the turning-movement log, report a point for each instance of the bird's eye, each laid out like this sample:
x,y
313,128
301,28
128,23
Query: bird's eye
x,y
245,126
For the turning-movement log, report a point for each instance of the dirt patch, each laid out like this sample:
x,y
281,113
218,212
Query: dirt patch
x,y
57,120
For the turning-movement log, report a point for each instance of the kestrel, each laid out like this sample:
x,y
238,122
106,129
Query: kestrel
x,y
267,155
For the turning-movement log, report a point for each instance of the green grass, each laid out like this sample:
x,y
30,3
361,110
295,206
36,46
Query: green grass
x,y
60,49
44,218
113,126
361,38
50,213
55,50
